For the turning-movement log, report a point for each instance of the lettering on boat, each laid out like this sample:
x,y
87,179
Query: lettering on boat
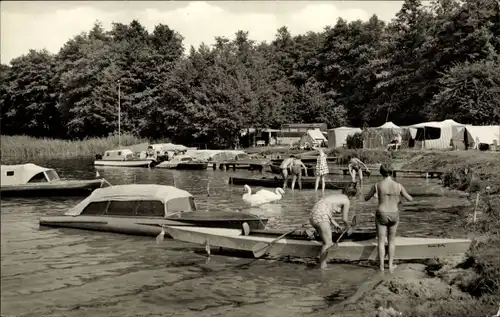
x,y
439,245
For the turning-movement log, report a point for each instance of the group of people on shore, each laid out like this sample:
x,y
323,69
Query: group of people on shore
x,y
322,217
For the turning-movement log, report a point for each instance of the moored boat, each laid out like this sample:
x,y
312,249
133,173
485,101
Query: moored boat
x,y
276,169
122,158
141,209
30,180
307,182
347,249
183,162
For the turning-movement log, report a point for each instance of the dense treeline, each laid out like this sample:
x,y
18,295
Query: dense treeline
x,y
429,63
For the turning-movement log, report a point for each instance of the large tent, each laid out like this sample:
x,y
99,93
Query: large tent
x,y
470,136
337,137
434,134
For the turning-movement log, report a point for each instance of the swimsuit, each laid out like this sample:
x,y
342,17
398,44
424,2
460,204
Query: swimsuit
x,y
323,211
355,165
296,170
387,219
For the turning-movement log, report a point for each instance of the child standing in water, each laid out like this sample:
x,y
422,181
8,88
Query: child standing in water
x,y
387,214
321,170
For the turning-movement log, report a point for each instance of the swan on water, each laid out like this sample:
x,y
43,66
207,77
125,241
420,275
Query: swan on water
x,y
263,196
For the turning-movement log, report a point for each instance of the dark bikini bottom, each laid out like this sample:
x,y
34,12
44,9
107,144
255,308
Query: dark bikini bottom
x,y
387,219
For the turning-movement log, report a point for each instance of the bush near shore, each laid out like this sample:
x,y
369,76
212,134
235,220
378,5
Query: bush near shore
x,y
22,147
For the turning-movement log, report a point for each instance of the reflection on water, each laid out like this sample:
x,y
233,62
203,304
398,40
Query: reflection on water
x,y
66,272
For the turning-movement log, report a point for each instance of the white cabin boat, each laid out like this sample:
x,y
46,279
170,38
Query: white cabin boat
x,y
32,180
122,158
141,209
407,248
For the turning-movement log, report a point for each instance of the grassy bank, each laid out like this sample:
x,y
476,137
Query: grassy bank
x,y
468,287
22,148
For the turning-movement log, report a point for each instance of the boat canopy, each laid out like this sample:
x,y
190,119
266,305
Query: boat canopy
x,y
135,200
118,155
26,173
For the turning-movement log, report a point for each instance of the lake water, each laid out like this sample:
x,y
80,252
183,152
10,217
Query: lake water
x,y
69,272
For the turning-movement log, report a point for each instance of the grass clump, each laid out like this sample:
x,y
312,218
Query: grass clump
x,y
20,147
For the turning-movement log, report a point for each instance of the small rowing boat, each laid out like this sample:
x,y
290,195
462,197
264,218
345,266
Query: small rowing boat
x,y
359,248
30,180
307,182
141,209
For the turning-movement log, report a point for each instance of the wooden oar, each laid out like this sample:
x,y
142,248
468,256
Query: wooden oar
x,y
261,249
354,222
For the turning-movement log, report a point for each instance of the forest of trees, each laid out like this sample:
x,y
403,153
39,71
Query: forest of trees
x,y
429,63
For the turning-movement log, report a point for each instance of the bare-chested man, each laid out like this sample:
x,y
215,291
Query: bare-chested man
x,y
285,169
355,165
387,215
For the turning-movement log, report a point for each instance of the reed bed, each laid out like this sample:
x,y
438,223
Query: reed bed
x,y
22,147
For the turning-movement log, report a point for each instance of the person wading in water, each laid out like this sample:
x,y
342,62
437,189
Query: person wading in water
x,y
321,170
285,168
389,194
297,165
322,217
355,168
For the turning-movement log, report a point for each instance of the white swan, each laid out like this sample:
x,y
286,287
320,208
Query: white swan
x,y
262,196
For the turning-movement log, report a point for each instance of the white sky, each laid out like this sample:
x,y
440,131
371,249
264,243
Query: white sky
x,y
49,24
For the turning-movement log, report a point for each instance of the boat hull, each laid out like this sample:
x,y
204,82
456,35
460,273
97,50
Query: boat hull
x,y
148,226
124,225
307,183
220,219
183,166
407,248
275,169
131,163
55,188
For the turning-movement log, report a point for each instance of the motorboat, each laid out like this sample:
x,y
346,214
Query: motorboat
x,y
25,180
142,209
122,158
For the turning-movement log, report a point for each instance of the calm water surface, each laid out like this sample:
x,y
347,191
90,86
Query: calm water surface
x,y
69,272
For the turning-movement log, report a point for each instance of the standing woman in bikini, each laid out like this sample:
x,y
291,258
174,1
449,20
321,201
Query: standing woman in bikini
x,y
389,194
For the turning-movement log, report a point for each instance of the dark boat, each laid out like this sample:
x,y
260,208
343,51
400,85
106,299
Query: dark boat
x,y
307,182
142,209
277,170
30,180
183,162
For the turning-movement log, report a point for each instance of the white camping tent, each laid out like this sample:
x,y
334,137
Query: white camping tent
x,y
313,137
434,134
389,125
471,136
337,137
